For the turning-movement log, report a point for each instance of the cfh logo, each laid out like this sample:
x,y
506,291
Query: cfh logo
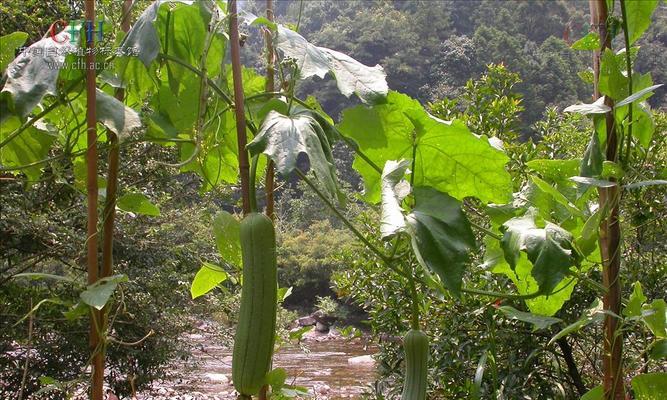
x,y
90,28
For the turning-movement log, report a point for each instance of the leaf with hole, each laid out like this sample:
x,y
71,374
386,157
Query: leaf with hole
x,y
98,294
283,138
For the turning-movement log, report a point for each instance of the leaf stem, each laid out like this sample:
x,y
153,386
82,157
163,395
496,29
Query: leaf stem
x,y
195,70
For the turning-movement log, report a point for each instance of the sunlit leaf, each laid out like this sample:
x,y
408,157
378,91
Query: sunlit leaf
x,y
598,107
556,195
207,278
137,203
448,156
589,42
227,231
655,317
639,17
637,299
652,386
555,170
584,180
8,44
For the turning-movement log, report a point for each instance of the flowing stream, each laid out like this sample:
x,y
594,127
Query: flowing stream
x,y
323,368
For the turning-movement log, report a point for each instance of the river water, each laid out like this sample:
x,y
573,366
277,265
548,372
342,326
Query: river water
x,y
322,367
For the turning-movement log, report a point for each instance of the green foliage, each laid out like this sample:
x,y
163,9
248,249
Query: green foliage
x,y
448,157
540,240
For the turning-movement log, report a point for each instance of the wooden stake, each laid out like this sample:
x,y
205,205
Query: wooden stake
x,y
97,391
610,233
270,87
237,73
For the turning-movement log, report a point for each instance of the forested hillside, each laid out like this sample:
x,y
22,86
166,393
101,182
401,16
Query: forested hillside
x,y
430,49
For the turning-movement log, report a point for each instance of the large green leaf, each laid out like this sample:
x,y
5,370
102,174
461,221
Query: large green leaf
x,y
137,203
394,190
589,42
643,124
591,164
655,317
549,249
8,44
283,138
597,393
594,314
441,235
369,83
651,386
29,146
144,34
217,160
227,231
613,82
546,305
539,321
97,295
448,157
207,278
639,17
557,196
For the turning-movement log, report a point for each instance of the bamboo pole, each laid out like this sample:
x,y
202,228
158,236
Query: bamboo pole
x,y
237,73
270,87
97,383
610,233
109,213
